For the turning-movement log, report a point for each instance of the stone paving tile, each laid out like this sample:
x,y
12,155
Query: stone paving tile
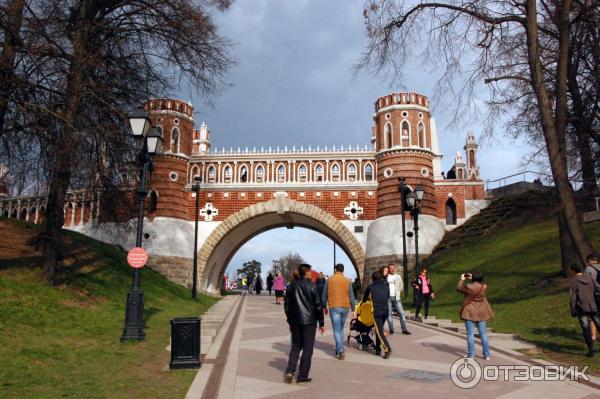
x,y
419,366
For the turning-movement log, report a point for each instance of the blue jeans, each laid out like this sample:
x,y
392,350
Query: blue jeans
x,y
394,304
481,326
338,319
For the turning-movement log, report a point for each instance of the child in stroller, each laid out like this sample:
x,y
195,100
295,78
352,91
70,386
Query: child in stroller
x,y
363,324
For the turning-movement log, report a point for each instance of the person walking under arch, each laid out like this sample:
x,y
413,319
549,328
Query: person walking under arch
x,y
475,311
279,286
303,309
258,285
270,280
338,300
395,303
379,293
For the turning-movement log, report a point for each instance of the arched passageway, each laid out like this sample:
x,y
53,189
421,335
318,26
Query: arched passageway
x,y
237,229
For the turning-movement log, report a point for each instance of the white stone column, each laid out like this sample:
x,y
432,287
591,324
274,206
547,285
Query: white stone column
x,y
73,210
37,213
360,170
82,213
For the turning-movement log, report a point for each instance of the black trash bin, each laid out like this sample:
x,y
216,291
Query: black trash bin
x,y
185,343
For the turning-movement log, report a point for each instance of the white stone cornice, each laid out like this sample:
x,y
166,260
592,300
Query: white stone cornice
x,y
402,107
452,182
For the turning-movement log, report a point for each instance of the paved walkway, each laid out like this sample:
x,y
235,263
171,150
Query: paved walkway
x,y
419,366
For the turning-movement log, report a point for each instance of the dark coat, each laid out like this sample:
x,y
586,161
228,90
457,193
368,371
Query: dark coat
x,y
379,291
302,304
582,295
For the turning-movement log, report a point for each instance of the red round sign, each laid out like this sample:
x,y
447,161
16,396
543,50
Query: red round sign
x,y
137,257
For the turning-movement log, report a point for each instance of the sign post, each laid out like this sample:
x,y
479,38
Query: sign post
x,y
137,257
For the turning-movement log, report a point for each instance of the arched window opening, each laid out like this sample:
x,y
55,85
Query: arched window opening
x,y
14,213
212,174
193,173
450,212
175,140
421,133
243,174
351,172
281,174
405,129
389,135
227,174
153,201
335,172
260,174
319,175
460,175
369,172
32,215
472,158
302,175
5,213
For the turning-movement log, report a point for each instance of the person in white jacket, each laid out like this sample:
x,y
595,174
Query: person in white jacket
x,y
395,302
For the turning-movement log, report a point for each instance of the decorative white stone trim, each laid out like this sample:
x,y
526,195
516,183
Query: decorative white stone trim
x,y
353,210
208,212
173,176
388,172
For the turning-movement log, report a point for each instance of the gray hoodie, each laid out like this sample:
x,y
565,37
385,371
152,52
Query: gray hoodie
x,y
582,295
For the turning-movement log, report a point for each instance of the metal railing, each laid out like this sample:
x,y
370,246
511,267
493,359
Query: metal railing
x,y
511,178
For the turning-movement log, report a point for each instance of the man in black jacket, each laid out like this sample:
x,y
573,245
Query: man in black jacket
x,y
303,310
379,293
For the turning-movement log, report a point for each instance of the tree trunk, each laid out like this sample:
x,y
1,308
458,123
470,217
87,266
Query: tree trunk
x,y
582,124
64,147
554,125
568,253
14,20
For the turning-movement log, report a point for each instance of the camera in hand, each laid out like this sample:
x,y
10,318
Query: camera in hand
x,y
468,275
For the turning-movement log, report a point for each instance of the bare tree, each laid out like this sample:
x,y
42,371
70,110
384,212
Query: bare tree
x,y
287,264
499,42
86,63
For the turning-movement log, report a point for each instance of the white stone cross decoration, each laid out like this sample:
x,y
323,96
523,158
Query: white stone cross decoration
x,y
208,212
353,210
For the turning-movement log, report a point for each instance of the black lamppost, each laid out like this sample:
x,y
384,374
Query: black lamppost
x,y
403,189
413,201
196,189
151,140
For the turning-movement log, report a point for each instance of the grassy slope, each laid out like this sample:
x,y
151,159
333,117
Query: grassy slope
x,y
64,341
521,265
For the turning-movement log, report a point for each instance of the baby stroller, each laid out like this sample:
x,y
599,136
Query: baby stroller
x,y
363,324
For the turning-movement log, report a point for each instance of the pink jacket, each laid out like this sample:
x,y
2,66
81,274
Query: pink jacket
x,y
279,284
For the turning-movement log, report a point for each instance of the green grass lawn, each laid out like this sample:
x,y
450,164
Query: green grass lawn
x,y
63,341
521,266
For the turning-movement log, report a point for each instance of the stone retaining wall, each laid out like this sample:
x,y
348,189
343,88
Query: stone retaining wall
x,y
175,269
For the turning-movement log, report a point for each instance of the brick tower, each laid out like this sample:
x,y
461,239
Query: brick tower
x,y
405,141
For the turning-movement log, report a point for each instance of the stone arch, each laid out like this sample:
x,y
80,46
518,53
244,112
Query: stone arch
x,y
450,210
237,229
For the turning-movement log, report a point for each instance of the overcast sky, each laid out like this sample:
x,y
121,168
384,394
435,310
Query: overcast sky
x,y
294,84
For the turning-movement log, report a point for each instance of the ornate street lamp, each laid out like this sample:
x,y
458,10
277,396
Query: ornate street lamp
x,y
413,201
196,189
403,189
151,140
